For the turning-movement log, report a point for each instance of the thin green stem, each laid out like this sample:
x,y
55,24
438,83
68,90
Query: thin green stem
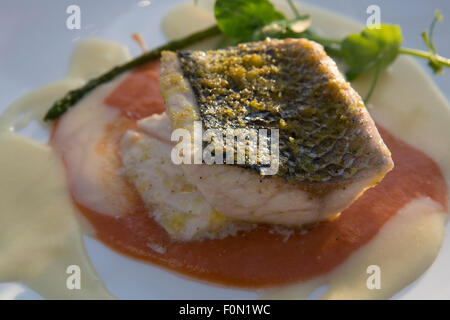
x,y
431,32
294,9
373,85
425,55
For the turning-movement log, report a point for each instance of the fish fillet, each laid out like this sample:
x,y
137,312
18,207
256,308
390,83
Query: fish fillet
x,y
174,202
329,148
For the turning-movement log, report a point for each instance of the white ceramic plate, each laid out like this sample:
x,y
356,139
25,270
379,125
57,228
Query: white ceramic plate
x,y
35,47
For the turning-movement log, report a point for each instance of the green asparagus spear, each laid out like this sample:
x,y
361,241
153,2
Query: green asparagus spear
x,y
73,96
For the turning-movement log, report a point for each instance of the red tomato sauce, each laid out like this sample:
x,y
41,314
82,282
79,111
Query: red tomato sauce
x,y
138,95
259,258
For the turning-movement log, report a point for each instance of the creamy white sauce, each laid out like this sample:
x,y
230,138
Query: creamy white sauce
x,y
90,58
39,236
188,18
40,233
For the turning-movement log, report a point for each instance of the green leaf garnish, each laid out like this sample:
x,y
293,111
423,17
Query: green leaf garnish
x,y
371,49
240,18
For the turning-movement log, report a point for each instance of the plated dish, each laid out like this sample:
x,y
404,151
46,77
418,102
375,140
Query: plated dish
x,y
347,194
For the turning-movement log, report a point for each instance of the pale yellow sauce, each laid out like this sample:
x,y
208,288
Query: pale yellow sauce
x,y
40,236
188,18
40,233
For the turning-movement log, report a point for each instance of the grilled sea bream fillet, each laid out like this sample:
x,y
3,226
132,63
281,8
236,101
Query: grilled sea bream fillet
x,y
329,148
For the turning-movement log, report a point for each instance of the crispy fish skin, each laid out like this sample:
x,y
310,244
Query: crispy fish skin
x,y
291,85
330,149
